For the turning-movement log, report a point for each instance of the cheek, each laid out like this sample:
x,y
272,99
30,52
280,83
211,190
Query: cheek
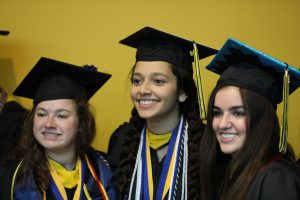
x,y
72,128
242,126
215,124
133,92
36,124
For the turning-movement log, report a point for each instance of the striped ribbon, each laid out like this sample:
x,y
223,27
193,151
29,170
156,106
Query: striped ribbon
x,y
168,182
57,187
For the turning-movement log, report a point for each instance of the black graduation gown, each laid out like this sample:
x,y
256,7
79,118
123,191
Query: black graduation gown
x,y
280,180
11,123
114,151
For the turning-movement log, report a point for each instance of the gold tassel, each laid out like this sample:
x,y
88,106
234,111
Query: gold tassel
x,y
284,128
199,84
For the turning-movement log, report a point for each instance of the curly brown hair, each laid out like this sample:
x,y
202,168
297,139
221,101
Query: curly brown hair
x,y
33,154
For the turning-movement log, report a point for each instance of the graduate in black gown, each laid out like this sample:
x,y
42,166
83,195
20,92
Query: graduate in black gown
x,y
165,121
12,116
55,159
11,119
246,155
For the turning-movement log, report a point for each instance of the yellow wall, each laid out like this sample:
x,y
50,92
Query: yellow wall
x,y
87,32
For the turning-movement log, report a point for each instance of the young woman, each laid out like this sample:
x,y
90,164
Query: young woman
x,y
241,158
55,159
157,150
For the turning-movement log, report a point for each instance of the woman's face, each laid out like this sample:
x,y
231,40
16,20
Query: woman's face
x,y
154,90
229,120
55,125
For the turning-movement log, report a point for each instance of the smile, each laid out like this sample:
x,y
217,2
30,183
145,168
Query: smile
x,y
227,135
147,103
51,134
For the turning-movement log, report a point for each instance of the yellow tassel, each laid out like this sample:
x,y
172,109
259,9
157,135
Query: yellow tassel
x,y
284,128
199,84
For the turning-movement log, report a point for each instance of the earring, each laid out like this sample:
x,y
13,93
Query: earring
x,y
181,98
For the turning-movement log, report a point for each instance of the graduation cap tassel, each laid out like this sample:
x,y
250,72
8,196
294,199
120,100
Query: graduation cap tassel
x,y
199,83
284,128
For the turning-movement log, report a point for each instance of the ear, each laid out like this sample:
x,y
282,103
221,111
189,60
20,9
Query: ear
x,y
182,96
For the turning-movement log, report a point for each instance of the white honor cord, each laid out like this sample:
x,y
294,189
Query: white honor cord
x,y
185,165
171,189
137,168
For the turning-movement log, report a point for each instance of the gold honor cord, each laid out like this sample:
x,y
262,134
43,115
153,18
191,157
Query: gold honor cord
x,y
284,128
199,84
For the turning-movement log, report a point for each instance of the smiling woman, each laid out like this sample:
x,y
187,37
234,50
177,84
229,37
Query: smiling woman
x,y
55,159
243,155
165,121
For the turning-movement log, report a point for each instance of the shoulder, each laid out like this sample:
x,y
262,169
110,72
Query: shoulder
x,y
279,180
98,158
13,106
120,132
6,177
116,142
281,168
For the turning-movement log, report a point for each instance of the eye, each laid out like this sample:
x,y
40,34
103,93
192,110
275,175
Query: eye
x,y
239,113
217,113
136,81
40,114
62,116
159,81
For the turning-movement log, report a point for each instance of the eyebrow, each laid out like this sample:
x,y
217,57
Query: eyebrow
x,y
231,108
153,74
59,110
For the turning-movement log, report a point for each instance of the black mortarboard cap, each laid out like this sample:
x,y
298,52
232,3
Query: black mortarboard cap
x,y
243,66
51,79
156,45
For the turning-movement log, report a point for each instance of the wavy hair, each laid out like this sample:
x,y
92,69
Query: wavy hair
x,y
33,154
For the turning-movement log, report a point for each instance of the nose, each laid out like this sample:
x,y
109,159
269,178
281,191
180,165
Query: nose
x,y
50,122
145,88
225,122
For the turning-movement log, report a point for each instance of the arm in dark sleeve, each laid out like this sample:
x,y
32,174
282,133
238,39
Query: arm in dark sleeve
x,y
115,146
277,182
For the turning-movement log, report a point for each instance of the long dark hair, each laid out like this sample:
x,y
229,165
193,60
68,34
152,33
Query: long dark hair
x,y
33,154
230,178
190,110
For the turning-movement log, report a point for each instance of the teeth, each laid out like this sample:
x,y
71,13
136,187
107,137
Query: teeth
x,y
227,135
52,134
147,102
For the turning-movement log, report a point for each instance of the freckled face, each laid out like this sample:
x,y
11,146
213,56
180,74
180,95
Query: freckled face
x,y
55,125
154,90
229,121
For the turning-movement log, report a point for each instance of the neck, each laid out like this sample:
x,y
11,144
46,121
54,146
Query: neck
x,y
68,159
163,126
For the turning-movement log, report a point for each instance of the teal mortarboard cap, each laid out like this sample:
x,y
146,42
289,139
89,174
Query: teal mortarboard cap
x,y
243,66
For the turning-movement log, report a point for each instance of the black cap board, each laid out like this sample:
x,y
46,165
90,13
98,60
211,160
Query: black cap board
x,y
51,79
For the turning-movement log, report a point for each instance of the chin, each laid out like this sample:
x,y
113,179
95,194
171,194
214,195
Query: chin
x,y
229,151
